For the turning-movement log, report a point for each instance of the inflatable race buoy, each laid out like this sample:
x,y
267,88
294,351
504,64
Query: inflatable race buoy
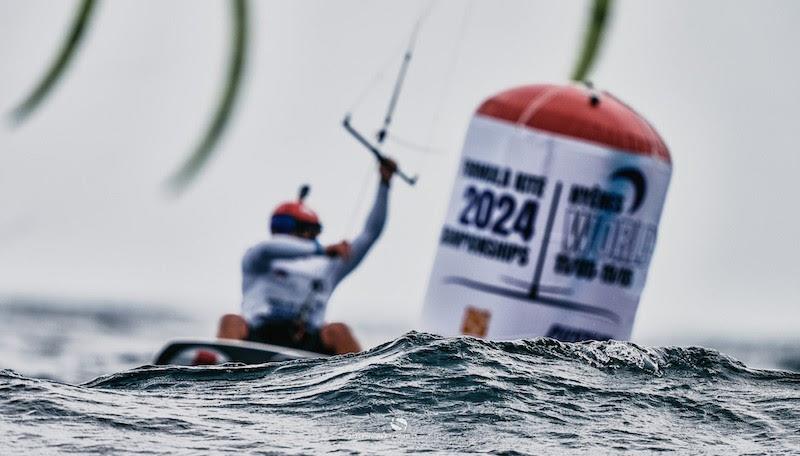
x,y
552,220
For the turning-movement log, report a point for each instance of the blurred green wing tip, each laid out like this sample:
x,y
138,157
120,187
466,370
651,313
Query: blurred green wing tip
x,y
593,38
195,163
59,65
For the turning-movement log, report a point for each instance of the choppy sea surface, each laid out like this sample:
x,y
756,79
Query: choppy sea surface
x,y
75,380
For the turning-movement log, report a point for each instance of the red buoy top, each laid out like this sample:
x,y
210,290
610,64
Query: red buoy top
x,y
578,112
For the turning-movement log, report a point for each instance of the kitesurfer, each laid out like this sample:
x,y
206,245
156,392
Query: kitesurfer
x,y
288,279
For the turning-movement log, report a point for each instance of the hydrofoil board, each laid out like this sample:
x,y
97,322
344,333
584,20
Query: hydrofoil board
x,y
196,352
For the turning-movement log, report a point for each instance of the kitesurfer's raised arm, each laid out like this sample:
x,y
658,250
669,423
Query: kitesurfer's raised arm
x,y
374,225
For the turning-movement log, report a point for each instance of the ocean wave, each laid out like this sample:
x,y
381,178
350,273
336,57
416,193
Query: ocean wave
x,y
420,351
424,393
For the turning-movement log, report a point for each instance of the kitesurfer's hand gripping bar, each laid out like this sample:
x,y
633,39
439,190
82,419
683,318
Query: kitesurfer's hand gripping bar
x,y
375,151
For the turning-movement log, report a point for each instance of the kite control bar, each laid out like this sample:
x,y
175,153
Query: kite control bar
x,y
374,149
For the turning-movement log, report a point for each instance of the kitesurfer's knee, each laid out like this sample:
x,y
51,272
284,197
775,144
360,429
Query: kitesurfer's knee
x,y
338,338
232,326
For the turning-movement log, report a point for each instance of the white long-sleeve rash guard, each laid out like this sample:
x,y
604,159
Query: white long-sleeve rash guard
x,y
290,278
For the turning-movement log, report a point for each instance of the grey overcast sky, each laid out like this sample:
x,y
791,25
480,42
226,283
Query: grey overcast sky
x,y
84,215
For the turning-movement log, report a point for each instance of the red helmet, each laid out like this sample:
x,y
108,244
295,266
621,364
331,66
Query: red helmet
x,y
294,216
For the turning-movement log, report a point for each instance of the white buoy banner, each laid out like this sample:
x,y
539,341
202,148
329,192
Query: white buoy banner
x,y
545,235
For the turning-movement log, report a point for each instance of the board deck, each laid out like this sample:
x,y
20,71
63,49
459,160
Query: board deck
x,y
185,352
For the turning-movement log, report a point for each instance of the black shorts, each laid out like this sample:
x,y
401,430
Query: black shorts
x,y
287,333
